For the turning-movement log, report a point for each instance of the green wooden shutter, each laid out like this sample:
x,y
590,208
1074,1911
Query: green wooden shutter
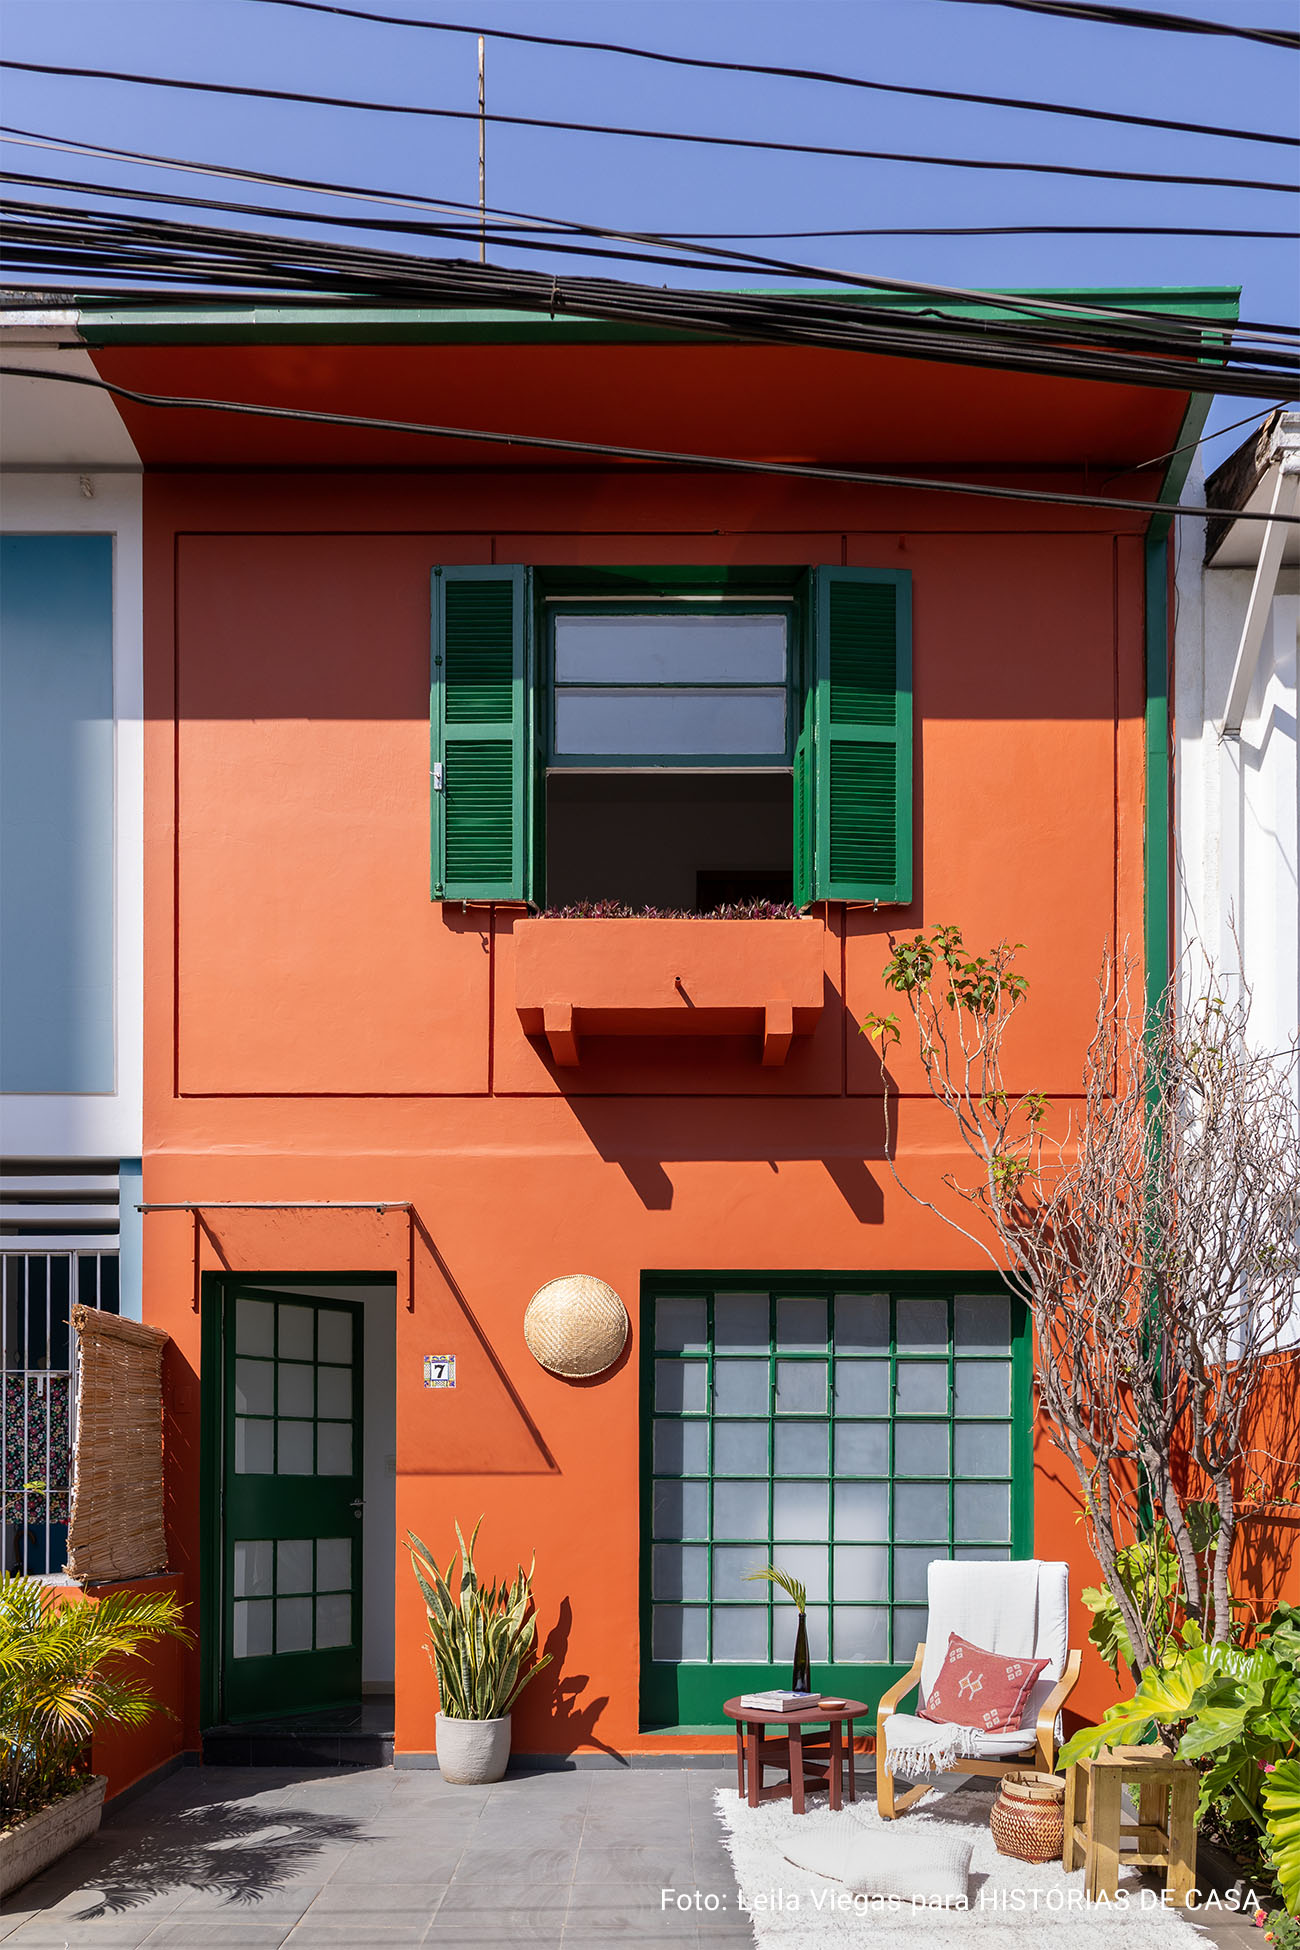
x,y
862,735
480,713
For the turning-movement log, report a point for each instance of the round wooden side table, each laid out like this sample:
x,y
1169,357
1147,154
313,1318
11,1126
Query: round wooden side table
x,y
808,1759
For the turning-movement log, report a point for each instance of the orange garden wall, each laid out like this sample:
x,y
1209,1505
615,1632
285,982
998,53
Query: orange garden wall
x,y
317,1028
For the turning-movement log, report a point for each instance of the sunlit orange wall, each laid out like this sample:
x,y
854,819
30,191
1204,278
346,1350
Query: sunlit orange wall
x,y
317,1028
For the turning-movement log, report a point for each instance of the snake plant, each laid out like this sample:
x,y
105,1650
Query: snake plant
x,y
482,1640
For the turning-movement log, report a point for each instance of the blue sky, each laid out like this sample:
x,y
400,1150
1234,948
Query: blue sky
x,y
670,187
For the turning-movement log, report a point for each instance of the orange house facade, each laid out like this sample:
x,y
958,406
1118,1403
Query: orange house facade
x,y
415,706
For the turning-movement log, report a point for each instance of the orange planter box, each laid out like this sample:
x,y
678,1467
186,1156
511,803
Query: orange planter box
x,y
668,978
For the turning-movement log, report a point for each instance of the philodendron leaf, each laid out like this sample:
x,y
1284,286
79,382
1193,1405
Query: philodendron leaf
x,y
1281,1798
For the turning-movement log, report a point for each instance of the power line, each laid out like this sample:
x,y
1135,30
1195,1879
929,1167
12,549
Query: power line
x,y
787,74
1144,17
724,463
766,144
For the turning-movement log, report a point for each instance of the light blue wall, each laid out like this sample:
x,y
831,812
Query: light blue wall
x,y
56,813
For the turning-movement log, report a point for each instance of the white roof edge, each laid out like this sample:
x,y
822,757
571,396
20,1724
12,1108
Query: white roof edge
x,y
40,327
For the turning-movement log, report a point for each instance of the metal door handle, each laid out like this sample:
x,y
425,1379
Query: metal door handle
x,y
358,1505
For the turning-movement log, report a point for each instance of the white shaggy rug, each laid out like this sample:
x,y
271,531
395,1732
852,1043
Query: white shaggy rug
x,y
1011,1904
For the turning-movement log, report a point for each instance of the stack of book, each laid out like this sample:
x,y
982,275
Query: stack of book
x,y
777,1702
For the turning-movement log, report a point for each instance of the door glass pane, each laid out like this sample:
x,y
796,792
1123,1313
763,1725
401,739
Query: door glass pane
x,y
982,1513
921,1449
922,1326
293,1565
861,1635
982,1323
251,1633
800,1323
293,1624
681,1324
333,1563
983,1388
861,1572
681,1385
679,1632
861,1321
810,1563
740,1323
862,1511
681,1509
670,649
740,1449
802,1448
333,1622
740,1387
254,1388
679,723
800,1510
911,1571
252,1447
681,1448
679,1571
861,1449
862,1388
740,1632
921,1511
253,1570
334,1449
297,1337
334,1392
254,1327
739,1509
334,1336
818,1622
294,1448
732,1564
982,1448
909,1632
295,1381
922,1388
801,1387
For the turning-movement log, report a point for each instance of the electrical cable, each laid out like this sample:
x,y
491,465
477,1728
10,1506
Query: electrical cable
x,y
765,144
1144,17
786,74
798,470
1189,446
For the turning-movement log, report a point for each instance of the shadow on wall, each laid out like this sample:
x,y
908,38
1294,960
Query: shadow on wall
x,y
569,1725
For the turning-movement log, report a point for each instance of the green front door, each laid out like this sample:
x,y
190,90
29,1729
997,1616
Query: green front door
x,y
291,1557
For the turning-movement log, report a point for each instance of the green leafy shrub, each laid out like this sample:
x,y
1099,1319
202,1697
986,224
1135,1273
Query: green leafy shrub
x,y
482,1640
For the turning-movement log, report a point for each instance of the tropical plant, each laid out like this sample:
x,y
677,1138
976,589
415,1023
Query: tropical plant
x,y
481,1641
62,1678
1150,1576
797,1593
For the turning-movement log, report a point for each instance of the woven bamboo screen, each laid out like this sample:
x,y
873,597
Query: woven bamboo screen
x,y
116,1529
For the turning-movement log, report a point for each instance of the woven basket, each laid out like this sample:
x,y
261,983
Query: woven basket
x,y
1028,1817
575,1326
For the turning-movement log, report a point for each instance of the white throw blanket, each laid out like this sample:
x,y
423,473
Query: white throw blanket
x,y
999,1614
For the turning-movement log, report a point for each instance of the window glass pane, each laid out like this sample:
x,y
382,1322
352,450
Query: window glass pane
x,y
294,1449
333,1622
983,1388
681,1448
801,1323
861,1634
921,1511
254,1387
909,1632
862,1321
912,1569
810,1563
800,1511
982,1513
296,1333
983,1449
802,1448
801,1387
739,1510
296,1390
982,1323
732,1564
921,1449
922,1388
740,1387
861,1512
293,1565
982,1553
333,1563
679,1632
740,1322
293,1624
333,1448
670,648
253,1570
254,1327
681,1323
861,1387
679,1571
334,1392
252,1448
335,1336
862,1449
682,1510
922,1326
654,724
740,1449
818,1621
740,1632
860,1571
681,1385
252,1628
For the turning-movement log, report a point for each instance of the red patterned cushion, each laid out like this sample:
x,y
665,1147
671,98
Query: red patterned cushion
x,y
980,1689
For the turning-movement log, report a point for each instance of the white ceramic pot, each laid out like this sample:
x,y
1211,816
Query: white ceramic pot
x,y
472,1752
50,1833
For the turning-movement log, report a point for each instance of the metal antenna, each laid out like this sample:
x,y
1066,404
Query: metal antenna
x,y
482,157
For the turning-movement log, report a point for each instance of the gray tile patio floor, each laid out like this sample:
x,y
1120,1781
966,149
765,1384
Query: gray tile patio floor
x,y
229,1857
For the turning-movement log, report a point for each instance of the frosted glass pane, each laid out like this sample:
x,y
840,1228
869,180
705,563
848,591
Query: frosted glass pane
x,y
740,1387
810,1563
818,1621
670,649
740,1449
801,1387
983,1449
651,724
912,1569
740,1322
252,1448
861,1512
293,1565
739,1510
861,1449
294,1449
800,1510
681,1448
334,1449
333,1563
252,1629
802,1448
801,1323
334,1392
983,1388
861,1321
333,1622
982,1512
982,1553
297,1333
679,1632
732,1564
921,1388
255,1387
862,1388
982,1323
681,1323
297,1392
921,1511
922,1326
861,1571
909,1632
921,1449
293,1624
739,1632
682,1510
679,1571
681,1385
254,1327
860,1635
253,1570
334,1332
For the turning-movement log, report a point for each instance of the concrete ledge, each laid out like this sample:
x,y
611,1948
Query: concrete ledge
x,y
569,1763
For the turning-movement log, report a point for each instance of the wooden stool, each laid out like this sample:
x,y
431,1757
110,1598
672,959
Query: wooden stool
x,y
1166,1824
